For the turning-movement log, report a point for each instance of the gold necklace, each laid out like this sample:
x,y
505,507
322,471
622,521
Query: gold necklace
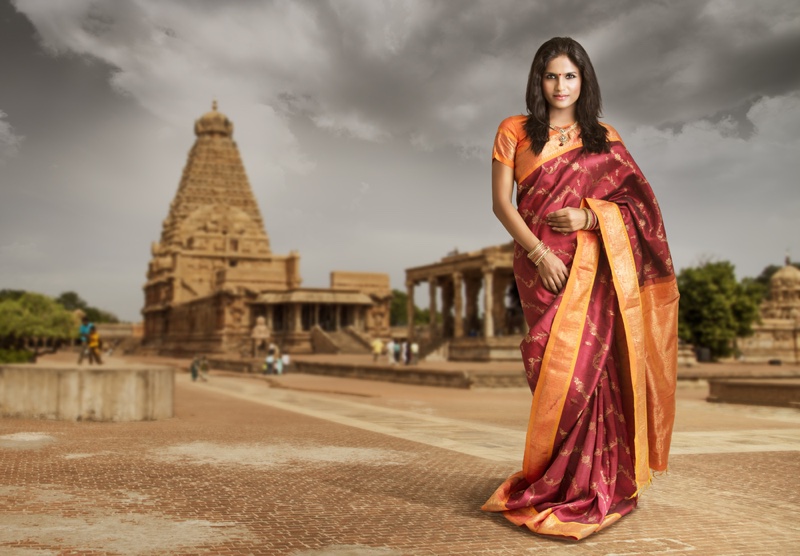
x,y
563,132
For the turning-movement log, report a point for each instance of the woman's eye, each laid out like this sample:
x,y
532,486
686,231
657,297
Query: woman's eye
x,y
571,76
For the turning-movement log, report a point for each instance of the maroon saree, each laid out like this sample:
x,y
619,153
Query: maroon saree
x,y
600,356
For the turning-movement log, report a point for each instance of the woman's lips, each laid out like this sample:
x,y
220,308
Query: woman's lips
x,y
561,97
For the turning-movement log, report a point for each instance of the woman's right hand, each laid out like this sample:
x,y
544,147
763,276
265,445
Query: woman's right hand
x,y
553,273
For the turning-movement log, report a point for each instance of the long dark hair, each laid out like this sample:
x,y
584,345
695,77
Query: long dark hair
x,y
588,107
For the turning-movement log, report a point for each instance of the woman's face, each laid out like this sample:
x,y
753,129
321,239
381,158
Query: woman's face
x,y
561,84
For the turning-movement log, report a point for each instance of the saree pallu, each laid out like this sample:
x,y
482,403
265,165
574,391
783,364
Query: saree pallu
x,y
600,356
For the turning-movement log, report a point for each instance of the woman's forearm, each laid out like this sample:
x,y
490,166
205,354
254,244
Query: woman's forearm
x,y
514,224
551,269
506,212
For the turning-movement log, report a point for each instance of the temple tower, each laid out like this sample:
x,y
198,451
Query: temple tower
x,y
213,239
214,285
214,177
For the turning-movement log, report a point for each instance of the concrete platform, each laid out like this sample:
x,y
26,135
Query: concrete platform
x,y
775,393
62,391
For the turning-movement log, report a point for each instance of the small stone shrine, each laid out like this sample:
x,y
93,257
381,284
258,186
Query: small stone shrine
x,y
776,337
215,286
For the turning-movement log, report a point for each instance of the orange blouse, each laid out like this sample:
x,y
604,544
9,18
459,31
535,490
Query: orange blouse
x,y
513,148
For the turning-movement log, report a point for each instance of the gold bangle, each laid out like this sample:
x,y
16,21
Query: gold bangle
x,y
532,253
542,256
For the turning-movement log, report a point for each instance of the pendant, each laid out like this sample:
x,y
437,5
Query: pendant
x,y
563,133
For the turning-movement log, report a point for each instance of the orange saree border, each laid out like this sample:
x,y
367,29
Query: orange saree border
x,y
660,310
544,522
650,319
556,373
626,283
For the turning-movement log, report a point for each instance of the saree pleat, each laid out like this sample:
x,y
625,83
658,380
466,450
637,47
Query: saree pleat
x,y
599,356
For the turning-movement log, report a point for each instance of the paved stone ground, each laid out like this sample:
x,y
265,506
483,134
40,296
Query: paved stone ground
x,y
306,465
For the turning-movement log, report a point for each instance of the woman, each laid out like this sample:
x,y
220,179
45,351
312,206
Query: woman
x,y
600,299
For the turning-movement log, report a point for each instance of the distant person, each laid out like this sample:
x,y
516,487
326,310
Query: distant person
x,y
377,349
83,336
404,353
94,344
414,352
194,368
285,361
204,369
269,363
390,351
397,349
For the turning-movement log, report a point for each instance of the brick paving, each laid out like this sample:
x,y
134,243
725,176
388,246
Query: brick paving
x,y
307,465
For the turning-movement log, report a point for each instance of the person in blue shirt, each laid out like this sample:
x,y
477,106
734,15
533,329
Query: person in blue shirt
x,y
83,333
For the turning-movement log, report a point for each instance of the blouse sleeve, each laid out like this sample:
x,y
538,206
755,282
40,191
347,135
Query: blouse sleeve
x,y
505,143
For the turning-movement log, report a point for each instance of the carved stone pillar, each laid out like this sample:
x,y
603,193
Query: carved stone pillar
x,y
488,298
338,317
447,307
316,315
458,305
297,308
269,317
472,288
432,323
410,308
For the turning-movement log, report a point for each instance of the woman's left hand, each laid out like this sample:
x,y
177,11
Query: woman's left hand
x,y
567,220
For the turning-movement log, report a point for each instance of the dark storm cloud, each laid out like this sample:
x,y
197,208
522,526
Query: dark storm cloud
x,y
659,63
365,126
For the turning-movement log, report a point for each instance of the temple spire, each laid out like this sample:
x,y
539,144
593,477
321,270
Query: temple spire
x,y
214,176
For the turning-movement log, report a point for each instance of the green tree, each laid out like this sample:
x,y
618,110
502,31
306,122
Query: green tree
x,y
715,308
398,310
35,316
11,294
72,302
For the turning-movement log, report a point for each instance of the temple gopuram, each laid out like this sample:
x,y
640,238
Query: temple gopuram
x,y
776,336
214,284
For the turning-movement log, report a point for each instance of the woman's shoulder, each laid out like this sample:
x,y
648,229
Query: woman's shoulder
x,y
613,134
515,125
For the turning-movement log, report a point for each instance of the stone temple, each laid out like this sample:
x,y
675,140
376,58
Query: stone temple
x,y
213,278
776,336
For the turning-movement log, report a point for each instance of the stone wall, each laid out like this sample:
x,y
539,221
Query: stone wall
x,y
80,393
502,348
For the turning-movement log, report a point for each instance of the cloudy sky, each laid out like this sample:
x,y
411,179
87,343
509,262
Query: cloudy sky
x,y
366,126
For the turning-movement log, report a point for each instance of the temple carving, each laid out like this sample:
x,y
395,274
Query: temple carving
x,y
213,277
776,336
